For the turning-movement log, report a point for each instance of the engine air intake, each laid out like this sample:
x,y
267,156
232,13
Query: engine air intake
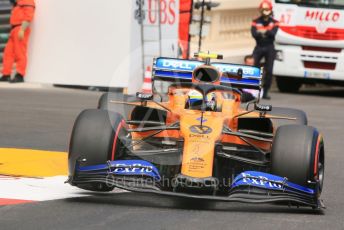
x,y
206,74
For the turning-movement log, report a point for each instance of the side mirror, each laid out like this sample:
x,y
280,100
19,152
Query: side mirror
x,y
262,108
144,96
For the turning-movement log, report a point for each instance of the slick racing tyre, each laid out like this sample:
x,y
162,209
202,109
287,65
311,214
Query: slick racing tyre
x,y
298,154
288,84
246,97
96,138
301,117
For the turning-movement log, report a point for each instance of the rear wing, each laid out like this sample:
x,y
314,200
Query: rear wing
x,y
170,69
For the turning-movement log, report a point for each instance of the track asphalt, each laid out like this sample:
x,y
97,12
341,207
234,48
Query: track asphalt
x,y
41,118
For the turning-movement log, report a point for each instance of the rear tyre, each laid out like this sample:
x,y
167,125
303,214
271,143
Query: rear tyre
x,y
298,154
95,137
301,117
288,84
246,97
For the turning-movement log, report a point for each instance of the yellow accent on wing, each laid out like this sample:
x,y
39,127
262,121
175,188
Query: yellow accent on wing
x,y
208,55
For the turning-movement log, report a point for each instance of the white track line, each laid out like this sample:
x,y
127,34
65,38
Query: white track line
x,y
45,189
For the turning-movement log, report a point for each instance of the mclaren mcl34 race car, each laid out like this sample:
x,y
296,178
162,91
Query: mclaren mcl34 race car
x,y
194,138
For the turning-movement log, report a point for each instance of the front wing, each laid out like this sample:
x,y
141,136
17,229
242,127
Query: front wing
x,y
247,187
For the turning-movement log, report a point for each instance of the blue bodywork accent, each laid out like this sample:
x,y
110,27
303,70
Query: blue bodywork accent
x,y
268,181
248,71
174,75
241,82
124,168
177,64
144,168
169,68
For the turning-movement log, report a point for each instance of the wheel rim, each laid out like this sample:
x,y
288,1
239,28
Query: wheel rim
x,y
321,173
321,166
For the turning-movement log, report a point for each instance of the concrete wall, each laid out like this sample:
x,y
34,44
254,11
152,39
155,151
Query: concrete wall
x,y
88,43
230,29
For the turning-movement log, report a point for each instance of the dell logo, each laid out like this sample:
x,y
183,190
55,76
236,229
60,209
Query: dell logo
x,y
200,129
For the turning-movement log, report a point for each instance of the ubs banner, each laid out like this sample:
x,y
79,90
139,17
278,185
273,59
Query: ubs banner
x,y
160,38
99,43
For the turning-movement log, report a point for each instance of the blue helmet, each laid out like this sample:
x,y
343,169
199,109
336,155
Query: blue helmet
x,y
195,99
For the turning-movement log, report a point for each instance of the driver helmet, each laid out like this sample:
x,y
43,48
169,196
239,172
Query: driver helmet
x,y
195,101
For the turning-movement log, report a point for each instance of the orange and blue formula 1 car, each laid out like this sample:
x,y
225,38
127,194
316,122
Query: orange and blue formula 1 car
x,y
194,138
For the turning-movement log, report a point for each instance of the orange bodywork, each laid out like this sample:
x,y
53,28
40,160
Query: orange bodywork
x,y
200,139
199,142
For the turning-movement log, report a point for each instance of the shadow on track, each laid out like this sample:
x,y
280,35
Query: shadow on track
x,y
162,202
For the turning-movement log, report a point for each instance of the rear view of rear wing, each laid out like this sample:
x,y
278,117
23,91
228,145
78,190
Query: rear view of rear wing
x,y
169,69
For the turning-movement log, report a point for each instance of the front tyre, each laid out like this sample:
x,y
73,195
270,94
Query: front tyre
x,y
96,138
298,154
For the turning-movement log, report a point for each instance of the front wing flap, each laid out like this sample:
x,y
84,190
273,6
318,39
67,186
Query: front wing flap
x,y
247,187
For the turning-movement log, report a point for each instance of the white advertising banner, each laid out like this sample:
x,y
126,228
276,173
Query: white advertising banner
x,y
160,39
98,43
